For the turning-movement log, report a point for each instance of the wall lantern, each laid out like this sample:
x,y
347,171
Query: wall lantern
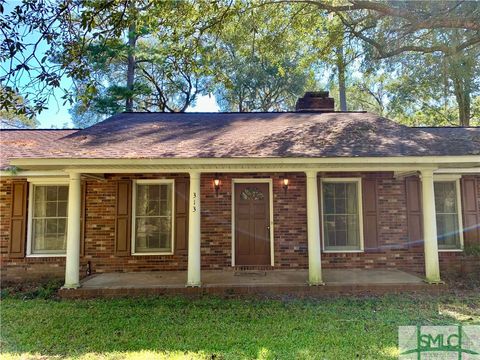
x,y
216,184
285,184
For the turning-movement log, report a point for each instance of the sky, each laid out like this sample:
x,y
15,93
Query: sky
x,y
57,114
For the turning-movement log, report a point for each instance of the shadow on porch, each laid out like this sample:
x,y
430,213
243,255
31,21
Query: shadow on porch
x,y
263,283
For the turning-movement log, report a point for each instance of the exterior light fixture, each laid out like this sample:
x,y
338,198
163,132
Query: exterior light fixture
x,y
216,184
285,184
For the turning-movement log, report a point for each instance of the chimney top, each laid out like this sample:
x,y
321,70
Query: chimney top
x,y
315,101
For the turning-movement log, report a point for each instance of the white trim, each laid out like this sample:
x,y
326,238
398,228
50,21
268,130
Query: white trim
x,y
449,177
342,251
270,192
46,255
358,181
48,180
475,170
240,168
456,179
249,160
31,184
23,173
134,201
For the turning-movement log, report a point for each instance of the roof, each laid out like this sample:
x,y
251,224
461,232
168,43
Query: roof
x,y
18,143
240,135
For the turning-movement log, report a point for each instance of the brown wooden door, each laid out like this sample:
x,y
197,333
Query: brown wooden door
x,y
252,224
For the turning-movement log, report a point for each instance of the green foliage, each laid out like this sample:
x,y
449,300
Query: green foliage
x,y
263,62
15,114
472,250
169,52
38,290
160,55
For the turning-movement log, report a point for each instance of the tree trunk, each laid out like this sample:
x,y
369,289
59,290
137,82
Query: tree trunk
x,y
132,42
341,78
462,91
462,72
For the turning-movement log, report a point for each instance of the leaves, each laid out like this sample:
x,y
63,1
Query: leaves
x,y
253,55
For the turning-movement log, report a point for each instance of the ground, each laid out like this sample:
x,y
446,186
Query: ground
x,y
37,325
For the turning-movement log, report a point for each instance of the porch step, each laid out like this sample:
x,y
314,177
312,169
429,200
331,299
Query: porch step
x,y
252,270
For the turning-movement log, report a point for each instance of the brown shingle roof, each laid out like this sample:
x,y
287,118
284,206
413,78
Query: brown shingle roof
x,y
15,143
204,135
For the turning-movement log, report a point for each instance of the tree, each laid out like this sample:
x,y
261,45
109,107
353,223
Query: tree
x,y
395,27
150,55
262,62
45,41
32,34
12,118
395,30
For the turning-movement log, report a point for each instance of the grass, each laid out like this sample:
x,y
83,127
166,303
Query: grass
x,y
211,328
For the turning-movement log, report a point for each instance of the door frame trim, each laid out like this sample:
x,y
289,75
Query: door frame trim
x,y
269,181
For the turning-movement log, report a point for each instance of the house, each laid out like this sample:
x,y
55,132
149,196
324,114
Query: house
x,y
312,189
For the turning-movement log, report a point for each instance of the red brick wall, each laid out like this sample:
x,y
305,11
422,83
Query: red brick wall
x,y
290,230
289,216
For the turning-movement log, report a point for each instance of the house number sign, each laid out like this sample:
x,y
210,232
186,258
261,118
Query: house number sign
x,y
194,202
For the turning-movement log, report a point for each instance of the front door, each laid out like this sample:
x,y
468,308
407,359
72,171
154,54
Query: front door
x,y
252,224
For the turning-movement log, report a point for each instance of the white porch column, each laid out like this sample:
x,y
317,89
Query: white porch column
x,y
313,228
194,231
432,268
72,265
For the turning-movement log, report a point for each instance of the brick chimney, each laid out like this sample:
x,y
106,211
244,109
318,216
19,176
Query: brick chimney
x,y
315,101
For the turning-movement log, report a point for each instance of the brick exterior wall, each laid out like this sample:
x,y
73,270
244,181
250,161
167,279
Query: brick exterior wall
x,y
290,231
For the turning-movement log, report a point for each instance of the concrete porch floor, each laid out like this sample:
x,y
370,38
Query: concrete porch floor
x,y
212,278
271,283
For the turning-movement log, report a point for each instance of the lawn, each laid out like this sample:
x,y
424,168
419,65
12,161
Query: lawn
x,y
334,328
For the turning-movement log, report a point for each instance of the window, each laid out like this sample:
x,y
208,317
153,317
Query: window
x,y
251,194
341,212
153,217
449,229
48,216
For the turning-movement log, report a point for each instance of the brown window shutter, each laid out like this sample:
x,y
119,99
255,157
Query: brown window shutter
x,y
181,214
18,219
414,211
470,210
123,218
370,214
82,218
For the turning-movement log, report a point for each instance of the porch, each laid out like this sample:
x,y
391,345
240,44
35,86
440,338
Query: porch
x,y
237,283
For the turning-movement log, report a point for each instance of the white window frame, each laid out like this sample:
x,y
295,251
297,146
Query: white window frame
x,y
358,181
134,208
32,182
456,179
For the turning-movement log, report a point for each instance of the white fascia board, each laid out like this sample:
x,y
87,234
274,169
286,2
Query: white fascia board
x,y
27,173
96,166
208,161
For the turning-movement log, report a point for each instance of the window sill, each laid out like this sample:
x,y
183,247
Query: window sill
x,y
152,253
45,255
342,251
450,250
